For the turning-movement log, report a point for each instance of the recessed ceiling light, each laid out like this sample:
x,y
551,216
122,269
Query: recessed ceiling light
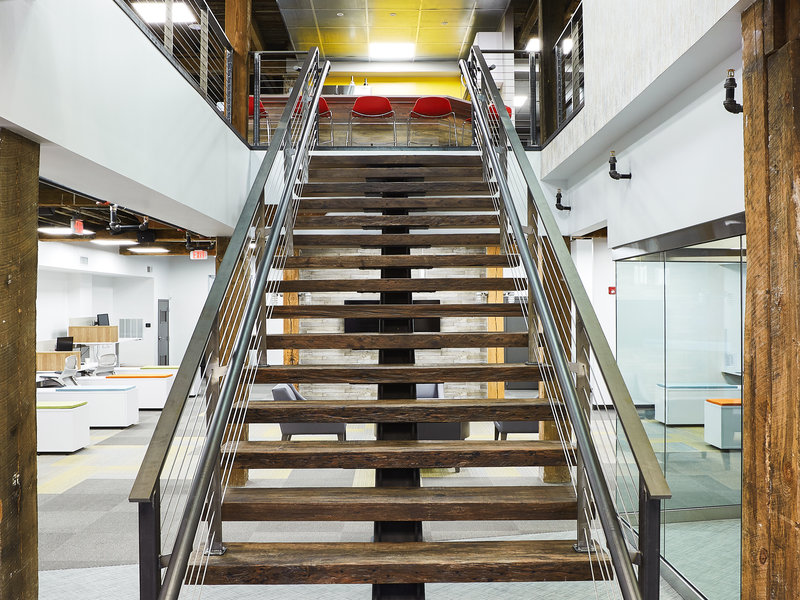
x,y
149,250
534,45
156,12
392,50
340,14
392,14
63,231
115,242
444,22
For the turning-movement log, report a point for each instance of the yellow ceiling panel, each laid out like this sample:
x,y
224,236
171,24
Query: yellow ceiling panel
x,y
453,18
344,35
401,18
355,50
394,5
449,4
305,35
387,34
331,18
432,50
443,34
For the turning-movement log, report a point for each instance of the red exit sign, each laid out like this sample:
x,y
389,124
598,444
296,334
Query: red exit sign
x,y
612,290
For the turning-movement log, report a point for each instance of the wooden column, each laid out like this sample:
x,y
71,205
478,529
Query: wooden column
x,y
238,19
771,390
495,389
19,194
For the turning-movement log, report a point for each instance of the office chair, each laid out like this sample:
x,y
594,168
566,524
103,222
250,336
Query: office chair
x,y
287,393
70,371
106,364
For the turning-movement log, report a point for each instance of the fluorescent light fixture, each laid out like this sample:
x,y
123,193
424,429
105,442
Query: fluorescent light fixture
x,y
534,45
519,101
149,250
392,50
115,242
566,46
63,231
155,13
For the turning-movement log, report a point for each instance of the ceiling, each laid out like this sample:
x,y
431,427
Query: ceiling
x,y
441,29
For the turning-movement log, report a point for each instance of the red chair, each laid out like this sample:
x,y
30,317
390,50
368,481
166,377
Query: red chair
x,y
432,107
494,120
323,111
263,116
371,107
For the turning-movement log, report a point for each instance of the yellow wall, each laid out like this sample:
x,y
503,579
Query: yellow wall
x,y
404,86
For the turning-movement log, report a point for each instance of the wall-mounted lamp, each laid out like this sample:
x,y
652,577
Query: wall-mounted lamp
x,y
560,206
612,168
730,86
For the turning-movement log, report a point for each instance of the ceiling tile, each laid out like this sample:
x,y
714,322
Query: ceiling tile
x,y
343,35
454,35
294,4
488,20
398,34
349,18
305,35
448,4
298,18
355,50
402,18
438,51
339,5
492,4
394,5
453,18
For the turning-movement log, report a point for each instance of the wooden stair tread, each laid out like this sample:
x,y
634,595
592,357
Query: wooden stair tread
x,y
400,504
372,159
411,261
377,311
413,221
397,373
423,410
359,188
432,284
333,172
412,240
406,454
418,341
403,562
429,202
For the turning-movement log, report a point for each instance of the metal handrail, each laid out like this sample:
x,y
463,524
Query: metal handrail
x,y
642,450
153,462
209,457
631,588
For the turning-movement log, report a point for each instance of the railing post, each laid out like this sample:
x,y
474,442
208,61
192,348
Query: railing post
x,y
649,544
169,27
214,545
150,547
229,84
257,101
204,51
582,386
533,108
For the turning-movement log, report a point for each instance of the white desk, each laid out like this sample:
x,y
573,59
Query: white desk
x,y
684,404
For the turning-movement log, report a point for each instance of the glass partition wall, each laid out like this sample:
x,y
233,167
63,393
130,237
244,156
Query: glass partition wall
x,y
680,328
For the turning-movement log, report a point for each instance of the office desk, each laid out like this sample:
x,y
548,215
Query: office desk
x,y
54,360
95,334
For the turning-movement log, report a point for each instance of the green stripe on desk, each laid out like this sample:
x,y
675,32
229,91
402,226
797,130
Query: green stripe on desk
x,y
59,406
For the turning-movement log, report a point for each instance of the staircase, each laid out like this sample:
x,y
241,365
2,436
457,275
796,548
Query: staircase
x,y
407,198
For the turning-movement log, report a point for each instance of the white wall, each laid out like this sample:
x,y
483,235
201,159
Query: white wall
x,y
114,117
631,69
687,165
123,287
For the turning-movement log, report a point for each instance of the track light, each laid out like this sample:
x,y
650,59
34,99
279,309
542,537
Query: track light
x,y
612,168
560,206
730,103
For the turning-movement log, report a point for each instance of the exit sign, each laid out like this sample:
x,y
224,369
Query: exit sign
x,y
612,290
198,255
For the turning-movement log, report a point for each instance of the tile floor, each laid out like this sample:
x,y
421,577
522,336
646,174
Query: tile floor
x,y
88,530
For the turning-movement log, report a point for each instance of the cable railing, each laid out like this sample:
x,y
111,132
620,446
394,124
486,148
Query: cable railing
x,y
183,477
617,479
569,68
275,72
191,38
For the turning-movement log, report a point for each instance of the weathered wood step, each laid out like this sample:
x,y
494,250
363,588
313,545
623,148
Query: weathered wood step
x,y
411,261
451,188
394,311
413,240
413,221
401,562
438,203
434,284
400,504
396,373
422,410
383,341
395,454
449,172
371,159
